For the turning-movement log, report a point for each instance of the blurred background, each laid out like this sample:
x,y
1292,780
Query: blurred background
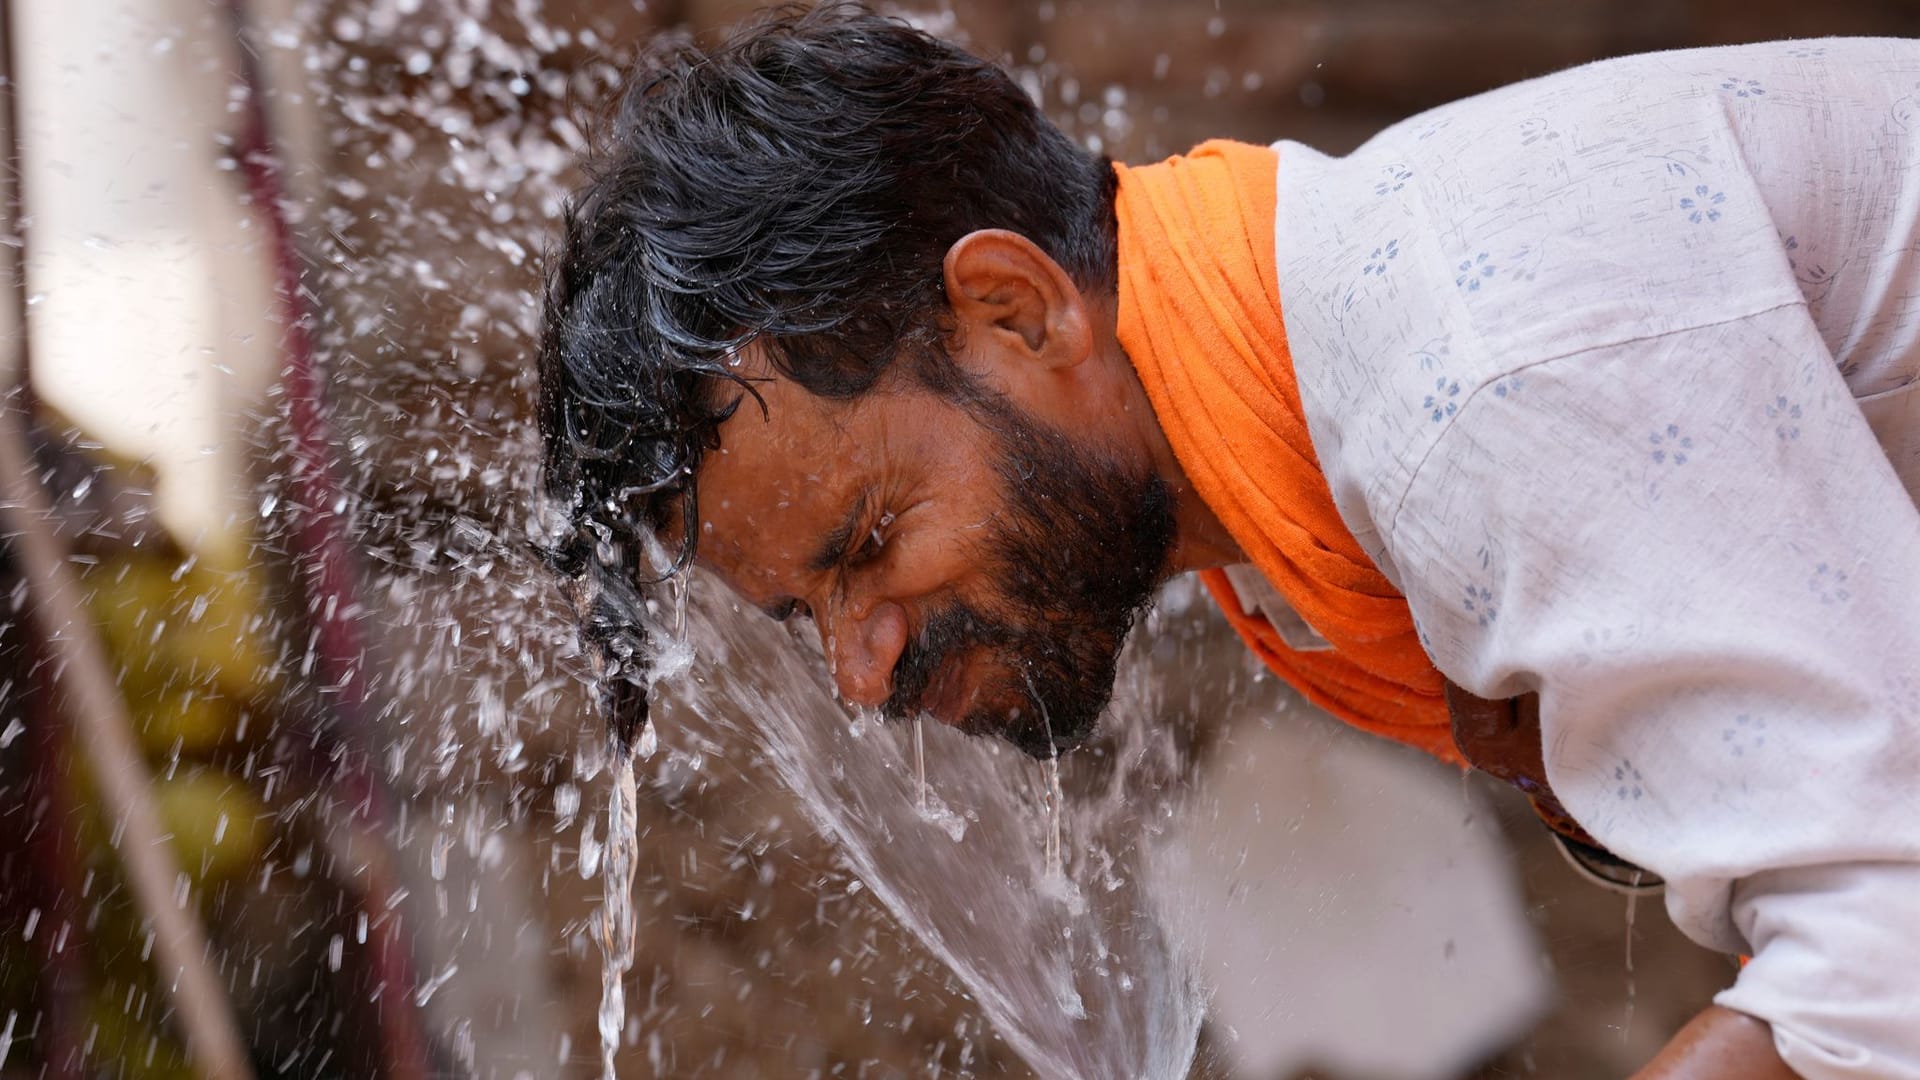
x,y
297,776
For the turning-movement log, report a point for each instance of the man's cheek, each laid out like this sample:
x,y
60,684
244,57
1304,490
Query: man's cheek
x,y
939,565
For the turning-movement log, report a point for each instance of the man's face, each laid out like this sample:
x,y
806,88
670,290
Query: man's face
x,y
964,562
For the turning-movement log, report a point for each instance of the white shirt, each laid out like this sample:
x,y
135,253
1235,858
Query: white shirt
x,y
1613,373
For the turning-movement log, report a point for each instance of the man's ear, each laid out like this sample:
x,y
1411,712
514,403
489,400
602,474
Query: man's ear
x,y
1012,298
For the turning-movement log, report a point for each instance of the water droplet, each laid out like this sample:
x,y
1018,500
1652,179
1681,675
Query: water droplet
x,y
920,765
437,857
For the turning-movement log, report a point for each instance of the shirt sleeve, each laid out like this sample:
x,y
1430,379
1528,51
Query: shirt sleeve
x,y
1694,547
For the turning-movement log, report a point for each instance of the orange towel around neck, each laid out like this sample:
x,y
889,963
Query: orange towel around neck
x,y
1200,319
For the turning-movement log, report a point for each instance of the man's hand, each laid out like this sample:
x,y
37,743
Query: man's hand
x,y
1503,738
1719,1044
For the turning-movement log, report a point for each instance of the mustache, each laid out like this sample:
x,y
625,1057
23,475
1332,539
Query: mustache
x,y
947,630
1045,724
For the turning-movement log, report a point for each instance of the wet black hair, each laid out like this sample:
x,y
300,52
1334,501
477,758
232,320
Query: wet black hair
x,y
797,187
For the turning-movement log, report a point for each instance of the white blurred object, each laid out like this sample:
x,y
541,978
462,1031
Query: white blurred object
x,y
1359,908
151,302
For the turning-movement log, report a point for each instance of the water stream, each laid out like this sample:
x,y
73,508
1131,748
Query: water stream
x,y
1626,1022
617,911
1036,883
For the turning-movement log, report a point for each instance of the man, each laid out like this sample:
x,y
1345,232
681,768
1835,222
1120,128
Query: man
x,y
1624,417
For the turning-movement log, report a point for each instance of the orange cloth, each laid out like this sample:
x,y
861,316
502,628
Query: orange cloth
x,y
1200,319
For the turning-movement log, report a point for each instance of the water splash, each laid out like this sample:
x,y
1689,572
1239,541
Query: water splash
x,y
462,164
1092,983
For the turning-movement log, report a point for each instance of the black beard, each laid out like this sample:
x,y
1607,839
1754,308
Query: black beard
x,y
1078,551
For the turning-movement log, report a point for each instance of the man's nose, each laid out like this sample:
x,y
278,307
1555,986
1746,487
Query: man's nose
x,y
863,643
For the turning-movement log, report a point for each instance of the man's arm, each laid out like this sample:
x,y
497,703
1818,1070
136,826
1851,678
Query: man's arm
x,y
1503,738
1716,607
1719,1044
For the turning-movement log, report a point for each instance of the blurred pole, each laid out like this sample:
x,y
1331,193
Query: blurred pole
x,y
322,551
103,729
105,735
47,851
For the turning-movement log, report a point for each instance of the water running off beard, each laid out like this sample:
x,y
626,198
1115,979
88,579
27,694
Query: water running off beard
x,y
616,913
633,737
1056,922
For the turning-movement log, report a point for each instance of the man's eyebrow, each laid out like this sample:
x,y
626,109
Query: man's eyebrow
x,y
833,549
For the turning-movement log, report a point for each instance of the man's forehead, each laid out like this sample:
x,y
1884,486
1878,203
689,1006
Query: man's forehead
x,y
790,441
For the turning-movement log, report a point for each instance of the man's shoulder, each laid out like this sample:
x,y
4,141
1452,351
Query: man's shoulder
x,y
1622,199
1626,198
1619,201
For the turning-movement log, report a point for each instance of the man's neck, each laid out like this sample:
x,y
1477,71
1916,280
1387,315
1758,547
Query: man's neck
x,y
1202,542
